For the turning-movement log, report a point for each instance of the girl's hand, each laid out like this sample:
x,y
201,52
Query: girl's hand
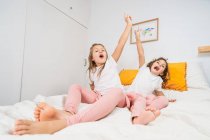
x,y
172,100
128,19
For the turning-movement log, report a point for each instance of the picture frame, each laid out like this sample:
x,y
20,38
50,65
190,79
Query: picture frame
x,y
148,31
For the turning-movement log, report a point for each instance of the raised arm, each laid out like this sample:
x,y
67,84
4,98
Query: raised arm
x,y
123,38
139,49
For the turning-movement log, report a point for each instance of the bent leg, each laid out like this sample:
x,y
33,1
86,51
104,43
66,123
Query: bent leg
x,y
139,114
138,107
76,95
159,102
45,112
125,102
101,108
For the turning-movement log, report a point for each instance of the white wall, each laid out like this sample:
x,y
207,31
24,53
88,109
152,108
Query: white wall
x,y
12,29
41,47
183,26
54,54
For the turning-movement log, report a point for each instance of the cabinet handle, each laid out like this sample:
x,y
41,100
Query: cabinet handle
x,y
85,62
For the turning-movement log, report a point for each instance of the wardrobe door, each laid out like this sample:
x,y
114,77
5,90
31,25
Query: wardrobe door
x,y
54,54
12,28
78,10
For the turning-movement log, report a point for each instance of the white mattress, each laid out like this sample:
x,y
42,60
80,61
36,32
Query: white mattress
x,y
187,119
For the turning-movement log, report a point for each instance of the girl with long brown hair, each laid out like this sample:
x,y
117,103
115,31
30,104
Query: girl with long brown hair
x,y
106,93
145,93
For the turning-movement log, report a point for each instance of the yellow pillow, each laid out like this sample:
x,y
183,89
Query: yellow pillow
x,y
177,77
127,76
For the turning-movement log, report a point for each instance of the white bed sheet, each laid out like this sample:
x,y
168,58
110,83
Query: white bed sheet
x,y
187,119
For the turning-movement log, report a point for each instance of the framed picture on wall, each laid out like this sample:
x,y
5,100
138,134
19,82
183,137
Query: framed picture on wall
x,y
148,31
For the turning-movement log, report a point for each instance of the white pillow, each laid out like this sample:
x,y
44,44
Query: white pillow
x,y
195,77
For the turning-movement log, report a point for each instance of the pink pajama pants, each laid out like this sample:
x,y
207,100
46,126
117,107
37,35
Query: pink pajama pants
x,y
102,105
139,103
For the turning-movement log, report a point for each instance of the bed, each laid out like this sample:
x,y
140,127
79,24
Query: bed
x,y
187,119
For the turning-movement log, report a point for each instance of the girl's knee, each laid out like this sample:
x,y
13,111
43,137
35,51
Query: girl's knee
x,y
124,102
164,101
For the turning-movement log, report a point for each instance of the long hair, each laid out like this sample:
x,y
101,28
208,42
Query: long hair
x,y
92,65
165,74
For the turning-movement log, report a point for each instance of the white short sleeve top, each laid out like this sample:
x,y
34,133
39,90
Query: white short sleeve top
x,y
145,82
109,77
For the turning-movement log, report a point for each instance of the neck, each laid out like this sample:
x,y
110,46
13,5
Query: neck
x,y
99,64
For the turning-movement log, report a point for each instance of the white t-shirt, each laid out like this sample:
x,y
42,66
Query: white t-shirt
x,y
145,82
109,77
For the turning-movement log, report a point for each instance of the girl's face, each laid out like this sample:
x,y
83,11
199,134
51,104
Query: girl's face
x,y
158,67
99,55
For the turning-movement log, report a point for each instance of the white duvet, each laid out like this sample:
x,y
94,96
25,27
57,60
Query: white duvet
x,y
187,119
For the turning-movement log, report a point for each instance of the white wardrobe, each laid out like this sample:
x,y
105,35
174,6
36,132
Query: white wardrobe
x,y
41,47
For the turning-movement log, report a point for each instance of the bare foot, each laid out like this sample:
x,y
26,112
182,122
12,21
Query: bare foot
x,y
149,115
30,127
44,112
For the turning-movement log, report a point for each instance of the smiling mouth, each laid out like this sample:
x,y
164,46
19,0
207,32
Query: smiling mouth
x,y
101,56
156,68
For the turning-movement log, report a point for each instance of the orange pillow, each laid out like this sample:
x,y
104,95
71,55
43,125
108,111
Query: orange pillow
x,y
127,76
177,77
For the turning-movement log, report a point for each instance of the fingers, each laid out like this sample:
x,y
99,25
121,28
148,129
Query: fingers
x,y
126,15
172,100
21,132
23,122
127,18
21,127
137,32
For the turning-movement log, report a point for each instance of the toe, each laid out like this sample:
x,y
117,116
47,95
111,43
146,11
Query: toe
x,y
37,112
42,104
37,116
21,127
157,113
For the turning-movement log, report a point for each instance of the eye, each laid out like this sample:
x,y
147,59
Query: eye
x,y
158,62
